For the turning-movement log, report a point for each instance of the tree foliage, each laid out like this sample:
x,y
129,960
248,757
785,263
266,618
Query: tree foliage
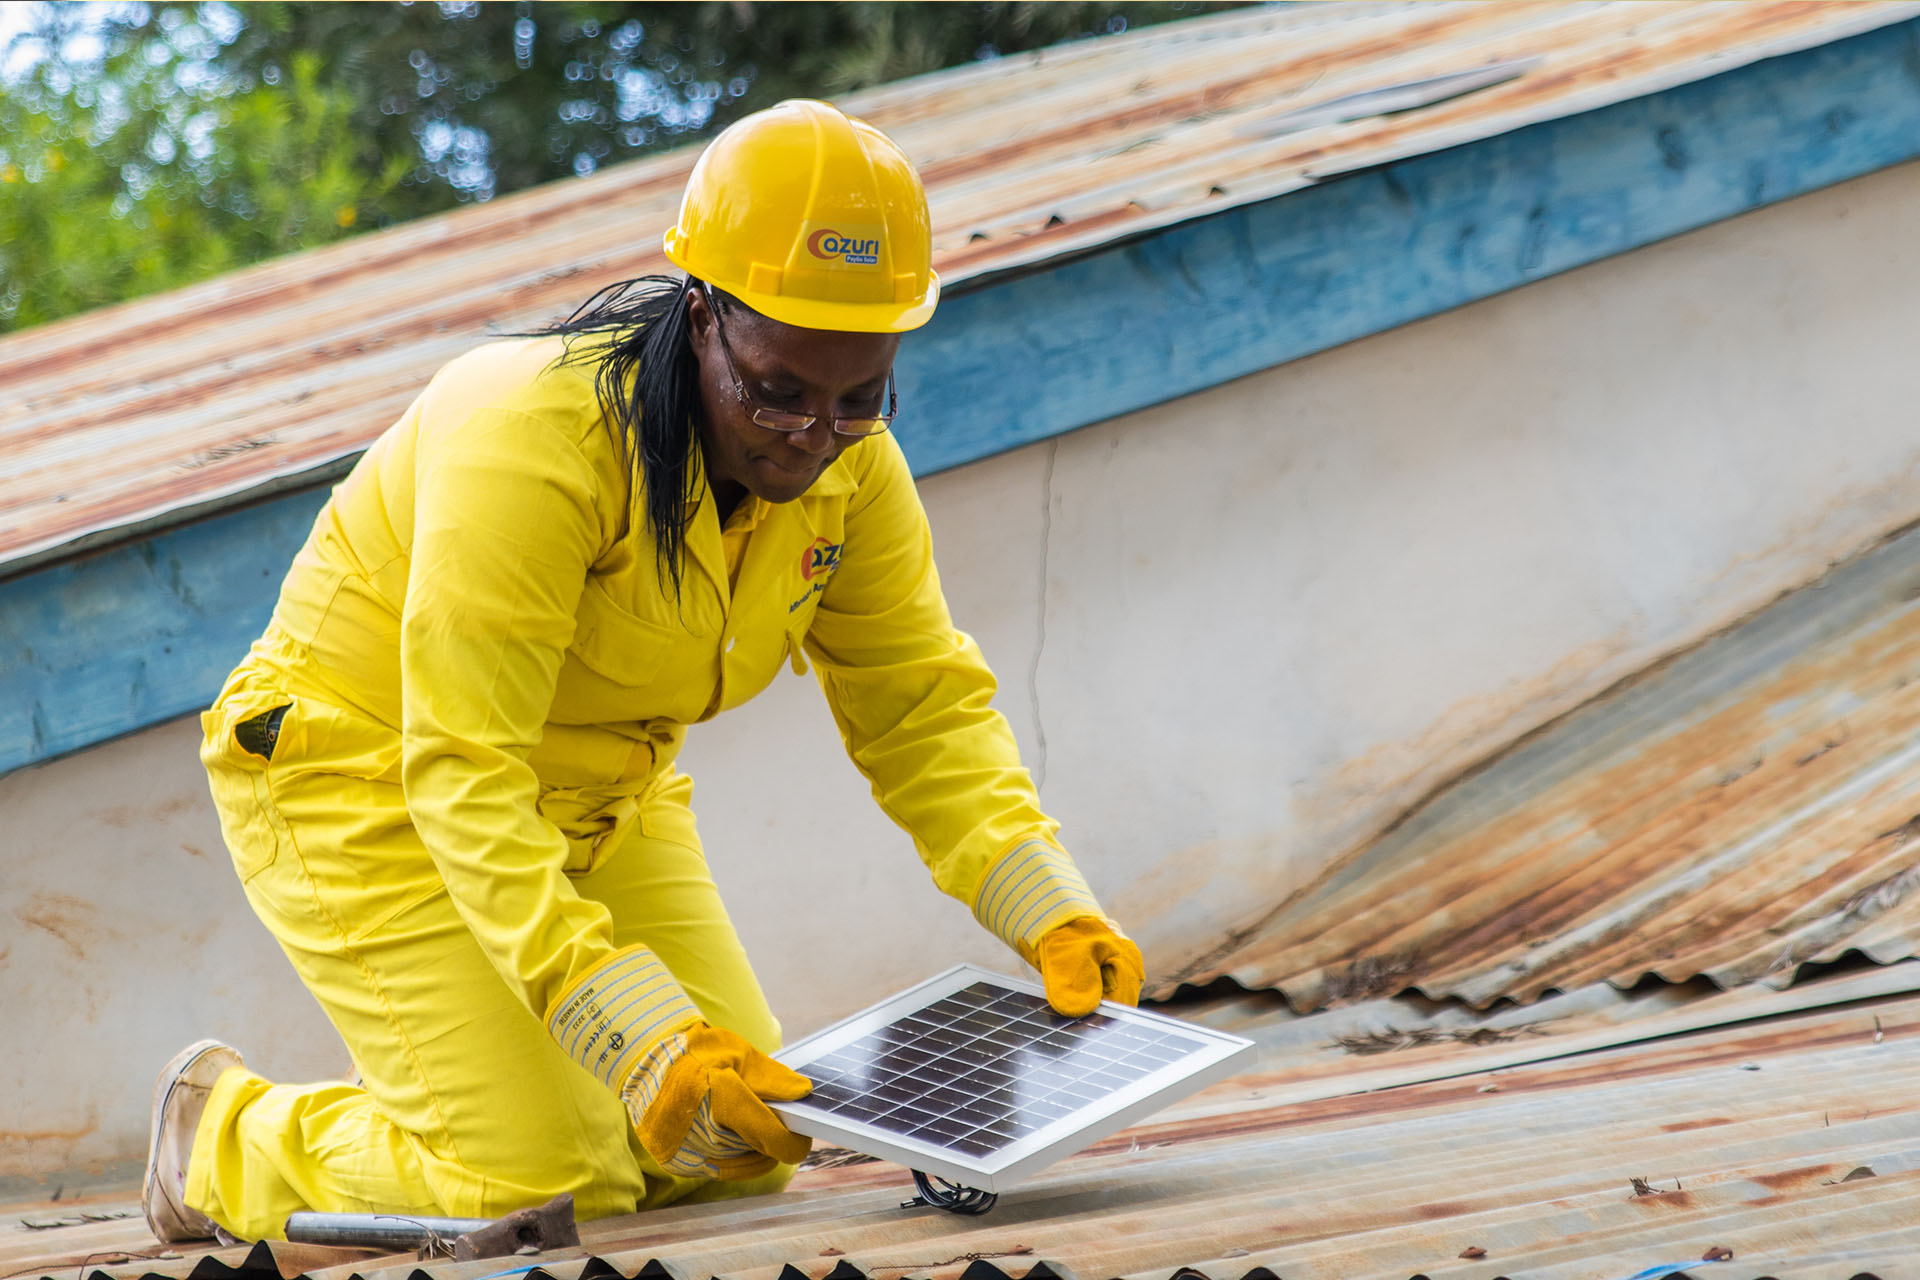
x,y
143,146
158,171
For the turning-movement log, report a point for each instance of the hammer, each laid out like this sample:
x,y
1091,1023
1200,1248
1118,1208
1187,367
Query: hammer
x,y
550,1226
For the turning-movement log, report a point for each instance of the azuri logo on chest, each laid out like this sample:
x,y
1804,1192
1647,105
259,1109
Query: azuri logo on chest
x,y
820,559
817,564
830,244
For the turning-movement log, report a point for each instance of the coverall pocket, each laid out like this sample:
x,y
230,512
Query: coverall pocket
x,y
238,780
624,647
320,738
666,813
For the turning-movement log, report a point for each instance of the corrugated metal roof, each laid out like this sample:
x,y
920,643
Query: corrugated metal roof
x,y
149,413
1407,1039
1740,812
1749,807
1744,1138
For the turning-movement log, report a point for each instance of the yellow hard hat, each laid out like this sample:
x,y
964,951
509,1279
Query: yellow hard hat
x,y
812,217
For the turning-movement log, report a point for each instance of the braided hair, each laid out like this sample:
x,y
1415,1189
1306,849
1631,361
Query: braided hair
x,y
648,386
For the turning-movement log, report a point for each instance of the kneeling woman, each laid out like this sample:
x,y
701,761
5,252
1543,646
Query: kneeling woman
x,y
446,772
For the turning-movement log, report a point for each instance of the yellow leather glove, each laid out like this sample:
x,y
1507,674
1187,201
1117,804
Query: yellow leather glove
x,y
695,1093
1035,900
1084,961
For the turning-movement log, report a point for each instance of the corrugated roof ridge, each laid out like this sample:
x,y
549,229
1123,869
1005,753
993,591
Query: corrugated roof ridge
x,y
905,103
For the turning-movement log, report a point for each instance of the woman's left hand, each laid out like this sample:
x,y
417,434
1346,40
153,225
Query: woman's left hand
x,y
1086,960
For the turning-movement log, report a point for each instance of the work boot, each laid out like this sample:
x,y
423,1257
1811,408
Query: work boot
x,y
179,1100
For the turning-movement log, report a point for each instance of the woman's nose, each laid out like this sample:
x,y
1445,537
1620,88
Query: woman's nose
x,y
817,439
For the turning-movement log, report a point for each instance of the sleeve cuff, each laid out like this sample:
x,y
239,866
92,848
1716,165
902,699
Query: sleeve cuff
x,y
1029,891
610,1018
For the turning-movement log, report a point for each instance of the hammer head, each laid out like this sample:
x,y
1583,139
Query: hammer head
x,y
551,1226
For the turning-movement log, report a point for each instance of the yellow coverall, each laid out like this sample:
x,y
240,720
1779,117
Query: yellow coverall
x,y
473,800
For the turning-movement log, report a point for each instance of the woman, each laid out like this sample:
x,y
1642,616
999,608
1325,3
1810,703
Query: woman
x,y
446,772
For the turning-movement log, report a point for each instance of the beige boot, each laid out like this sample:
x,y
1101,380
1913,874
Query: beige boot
x,y
179,1099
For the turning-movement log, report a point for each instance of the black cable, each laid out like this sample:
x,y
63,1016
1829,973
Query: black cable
x,y
951,1196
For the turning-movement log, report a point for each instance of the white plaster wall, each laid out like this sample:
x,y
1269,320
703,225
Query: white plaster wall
x,y
1250,627
124,936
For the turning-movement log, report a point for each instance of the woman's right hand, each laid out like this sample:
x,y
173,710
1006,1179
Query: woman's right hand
x,y
696,1094
698,1103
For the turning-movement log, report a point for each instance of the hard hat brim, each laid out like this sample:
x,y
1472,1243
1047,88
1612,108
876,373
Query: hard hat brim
x,y
841,317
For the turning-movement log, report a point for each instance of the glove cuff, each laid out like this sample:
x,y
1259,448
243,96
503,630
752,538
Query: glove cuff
x,y
663,1130
1029,891
610,1018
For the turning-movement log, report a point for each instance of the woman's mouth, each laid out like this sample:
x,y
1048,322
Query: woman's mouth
x,y
808,468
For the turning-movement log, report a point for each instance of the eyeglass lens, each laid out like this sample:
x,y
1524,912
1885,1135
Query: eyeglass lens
x,y
773,420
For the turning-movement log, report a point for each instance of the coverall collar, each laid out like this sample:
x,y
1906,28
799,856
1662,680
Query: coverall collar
x,y
704,547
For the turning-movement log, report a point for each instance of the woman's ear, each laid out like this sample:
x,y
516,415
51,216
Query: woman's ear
x,y
699,315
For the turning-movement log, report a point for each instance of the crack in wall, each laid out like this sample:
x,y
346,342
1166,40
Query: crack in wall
x,y
1040,641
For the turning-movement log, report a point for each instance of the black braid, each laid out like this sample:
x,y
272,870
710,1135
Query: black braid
x,y
648,385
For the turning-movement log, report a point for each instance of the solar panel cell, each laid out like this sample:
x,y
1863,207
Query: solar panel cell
x,y
972,1076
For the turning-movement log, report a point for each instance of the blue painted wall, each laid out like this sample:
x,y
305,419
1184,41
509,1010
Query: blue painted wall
x,y
139,633
1241,291
125,638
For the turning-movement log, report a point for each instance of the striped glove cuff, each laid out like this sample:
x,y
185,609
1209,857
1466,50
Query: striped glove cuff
x,y
707,1141
1029,892
609,1019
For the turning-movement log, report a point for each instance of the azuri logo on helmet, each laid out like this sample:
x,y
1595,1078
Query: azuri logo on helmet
x,y
829,244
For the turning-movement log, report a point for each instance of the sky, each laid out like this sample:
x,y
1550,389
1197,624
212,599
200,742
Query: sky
x,y
16,16
13,20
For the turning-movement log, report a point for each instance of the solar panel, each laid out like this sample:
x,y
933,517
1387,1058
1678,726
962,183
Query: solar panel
x,y
971,1076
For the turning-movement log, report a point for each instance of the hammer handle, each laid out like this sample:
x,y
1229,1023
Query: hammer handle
x,y
378,1230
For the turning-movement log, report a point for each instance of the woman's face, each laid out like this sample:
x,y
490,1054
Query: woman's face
x,y
788,369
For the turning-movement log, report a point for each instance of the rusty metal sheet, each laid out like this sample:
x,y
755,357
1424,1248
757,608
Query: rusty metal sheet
x,y
77,1234
1407,1039
1793,1141
1749,808
145,414
1399,1182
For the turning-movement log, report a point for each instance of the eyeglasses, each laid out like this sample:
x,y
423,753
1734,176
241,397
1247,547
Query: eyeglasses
x,y
783,420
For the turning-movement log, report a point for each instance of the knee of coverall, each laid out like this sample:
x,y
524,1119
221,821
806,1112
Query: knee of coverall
x,y
662,1189
764,1185
602,1182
